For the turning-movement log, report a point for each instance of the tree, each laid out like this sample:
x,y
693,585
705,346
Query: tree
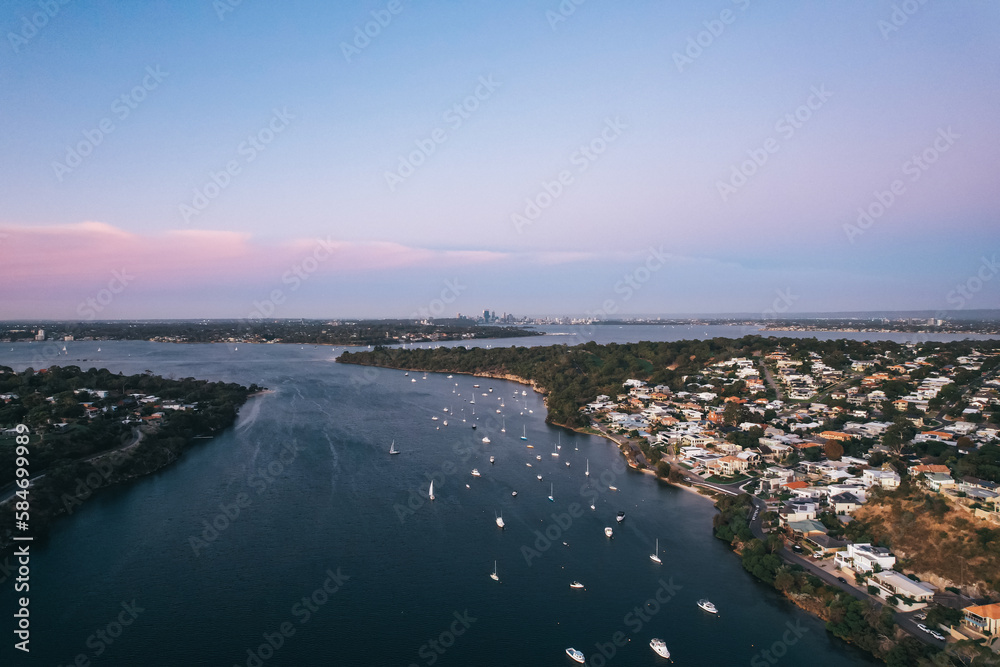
x,y
965,443
834,450
663,469
735,414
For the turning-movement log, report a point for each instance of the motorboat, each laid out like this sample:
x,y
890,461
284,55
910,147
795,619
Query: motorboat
x,y
576,655
475,472
493,459
620,517
500,521
708,606
659,647
486,440
608,532
576,584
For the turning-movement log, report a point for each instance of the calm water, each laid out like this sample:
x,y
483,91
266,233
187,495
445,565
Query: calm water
x,y
321,494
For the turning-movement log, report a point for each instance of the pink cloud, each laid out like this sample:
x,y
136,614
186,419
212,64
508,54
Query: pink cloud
x,y
60,255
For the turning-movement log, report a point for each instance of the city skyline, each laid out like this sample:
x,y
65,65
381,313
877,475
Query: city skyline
x,y
610,161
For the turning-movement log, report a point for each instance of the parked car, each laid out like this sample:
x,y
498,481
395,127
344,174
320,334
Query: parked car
x,y
842,580
796,548
923,627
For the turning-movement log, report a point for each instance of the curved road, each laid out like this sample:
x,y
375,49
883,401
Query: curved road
x,y
9,489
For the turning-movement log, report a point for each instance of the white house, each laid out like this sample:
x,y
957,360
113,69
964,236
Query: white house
x,y
864,558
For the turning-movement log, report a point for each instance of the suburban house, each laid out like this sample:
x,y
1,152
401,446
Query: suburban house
x,y
890,582
845,503
936,481
983,618
864,558
728,466
887,479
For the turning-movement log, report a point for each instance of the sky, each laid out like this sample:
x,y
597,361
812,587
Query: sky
x,y
395,158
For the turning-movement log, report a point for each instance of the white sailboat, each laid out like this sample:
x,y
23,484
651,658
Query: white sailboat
x,y
430,491
655,556
587,472
524,433
554,452
392,448
503,426
551,494
494,576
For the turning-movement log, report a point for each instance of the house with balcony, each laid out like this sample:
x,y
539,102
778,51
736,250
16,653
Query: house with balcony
x,y
864,558
984,618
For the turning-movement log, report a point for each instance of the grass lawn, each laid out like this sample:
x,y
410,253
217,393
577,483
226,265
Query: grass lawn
x,y
727,480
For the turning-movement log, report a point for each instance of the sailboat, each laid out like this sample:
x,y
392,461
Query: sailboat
x,y
554,452
524,433
500,521
392,448
503,427
494,576
587,473
551,494
430,491
655,556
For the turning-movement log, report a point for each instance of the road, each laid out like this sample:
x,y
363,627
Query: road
x,y
9,489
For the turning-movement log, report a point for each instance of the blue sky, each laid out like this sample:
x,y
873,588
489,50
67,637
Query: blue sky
x,y
682,111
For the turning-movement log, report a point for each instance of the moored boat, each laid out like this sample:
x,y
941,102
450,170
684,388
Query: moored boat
x,y
708,606
576,655
659,647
